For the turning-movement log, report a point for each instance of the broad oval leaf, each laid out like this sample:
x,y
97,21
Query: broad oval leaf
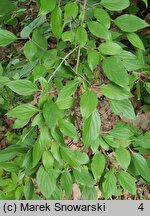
x,y
6,37
115,71
88,103
109,185
130,61
115,92
123,107
48,160
56,22
91,129
141,166
81,36
24,111
47,6
123,157
69,156
66,183
127,182
71,10
36,153
98,30
135,40
110,48
68,36
115,5
98,165
68,89
30,50
93,59
68,129
83,177
23,87
51,114
46,182
102,16
130,23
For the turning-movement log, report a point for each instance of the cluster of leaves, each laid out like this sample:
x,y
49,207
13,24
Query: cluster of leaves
x,y
44,88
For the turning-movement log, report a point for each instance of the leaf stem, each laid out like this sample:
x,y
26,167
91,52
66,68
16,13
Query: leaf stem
x,y
78,60
63,60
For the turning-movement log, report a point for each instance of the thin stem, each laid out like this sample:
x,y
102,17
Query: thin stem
x,y
78,60
84,9
63,60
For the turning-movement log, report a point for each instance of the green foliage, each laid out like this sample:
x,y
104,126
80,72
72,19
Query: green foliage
x,y
74,56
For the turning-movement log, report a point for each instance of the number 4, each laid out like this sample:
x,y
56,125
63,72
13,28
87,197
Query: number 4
x,y
141,207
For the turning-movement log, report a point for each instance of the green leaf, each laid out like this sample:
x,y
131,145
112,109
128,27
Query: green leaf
x,y
71,10
115,71
39,39
66,183
93,59
81,36
88,103
127,182
20,123
46,182
69,156
29,190
33,25
1,69
121,131
65,103
47,6
115,5
6,7
68,36
123,157
48,160
123,107
147,87
81,157
110,48
102,17
38,71
89,193
99,30
51,114
22,87
135,40
111,141
130,23
36,153
3,81
98,165
91,129
30,50
10,152
141,166
146,2
109,185
83,177
9,166
143,140
68,89
130,61
6,38
24,111
56,22
114,92
68,129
